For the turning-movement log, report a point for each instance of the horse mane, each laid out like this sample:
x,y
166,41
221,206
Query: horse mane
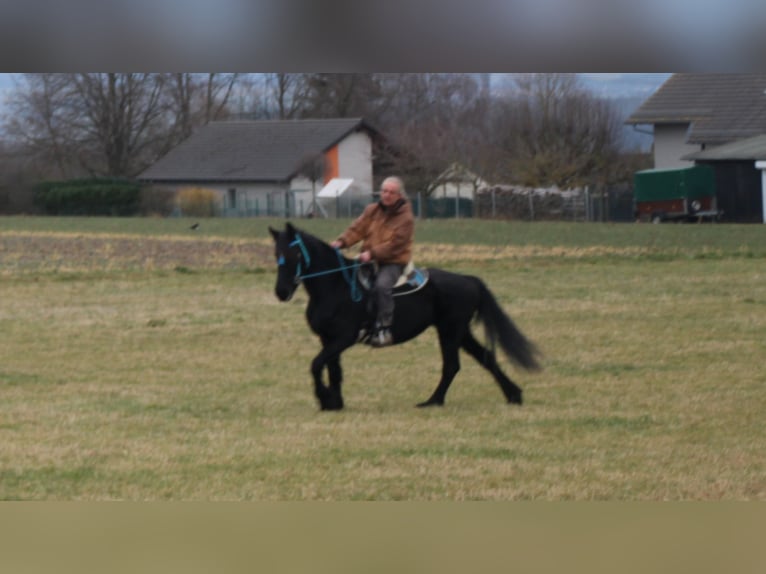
x,y
322,248
307,237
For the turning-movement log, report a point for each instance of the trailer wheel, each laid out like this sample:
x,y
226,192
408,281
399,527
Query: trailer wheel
x,y
695,206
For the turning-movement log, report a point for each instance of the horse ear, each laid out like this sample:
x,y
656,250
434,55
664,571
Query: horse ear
x,y
290,229
274,233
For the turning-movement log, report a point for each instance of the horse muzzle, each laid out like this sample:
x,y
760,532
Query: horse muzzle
x,y
284,293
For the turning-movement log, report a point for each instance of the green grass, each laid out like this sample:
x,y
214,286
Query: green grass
x,y
185,379
692,239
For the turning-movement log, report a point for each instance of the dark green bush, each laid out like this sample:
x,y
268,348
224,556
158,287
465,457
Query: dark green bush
x,y
89,197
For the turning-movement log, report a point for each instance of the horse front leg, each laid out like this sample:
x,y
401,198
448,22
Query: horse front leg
x,y
330,396
335,373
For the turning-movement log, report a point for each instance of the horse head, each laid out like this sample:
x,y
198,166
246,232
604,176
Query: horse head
x,y
292,257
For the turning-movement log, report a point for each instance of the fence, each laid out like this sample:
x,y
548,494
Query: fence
x,y
614,203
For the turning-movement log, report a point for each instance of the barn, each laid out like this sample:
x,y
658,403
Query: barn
x,y
740,176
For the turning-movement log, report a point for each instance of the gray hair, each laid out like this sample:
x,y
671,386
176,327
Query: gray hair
x,y
400,184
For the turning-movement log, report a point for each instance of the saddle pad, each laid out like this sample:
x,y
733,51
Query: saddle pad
x,y
411,280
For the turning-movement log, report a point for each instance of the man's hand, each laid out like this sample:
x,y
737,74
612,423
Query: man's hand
x,y
337,244
365,257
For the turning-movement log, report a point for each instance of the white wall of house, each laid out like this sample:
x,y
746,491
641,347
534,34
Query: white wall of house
x,y
462,189
670,145
303,194
255,199
236,198
355,160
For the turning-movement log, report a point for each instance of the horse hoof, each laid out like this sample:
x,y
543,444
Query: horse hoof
x,y
430,403
516,400
332,405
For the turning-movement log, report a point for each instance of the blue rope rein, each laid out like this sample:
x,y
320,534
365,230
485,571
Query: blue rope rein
x,y
356,294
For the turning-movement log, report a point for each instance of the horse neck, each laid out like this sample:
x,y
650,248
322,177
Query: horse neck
x,y
324,258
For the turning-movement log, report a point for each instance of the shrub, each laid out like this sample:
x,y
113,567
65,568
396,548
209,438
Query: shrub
x,y
156,201
198,202
88,197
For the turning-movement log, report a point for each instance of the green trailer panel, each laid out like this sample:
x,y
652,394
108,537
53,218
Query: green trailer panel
x,y
693,182
685,193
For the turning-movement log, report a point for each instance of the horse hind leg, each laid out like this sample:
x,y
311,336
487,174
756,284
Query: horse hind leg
x,y
486,359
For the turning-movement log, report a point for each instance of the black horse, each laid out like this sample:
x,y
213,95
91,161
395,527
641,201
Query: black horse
x,y
338,313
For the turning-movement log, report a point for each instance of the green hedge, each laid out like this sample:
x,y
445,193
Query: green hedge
x,y
89,197
444,207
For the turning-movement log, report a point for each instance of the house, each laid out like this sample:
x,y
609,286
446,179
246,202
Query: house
x,y
693,112
456,181
258,167
715,119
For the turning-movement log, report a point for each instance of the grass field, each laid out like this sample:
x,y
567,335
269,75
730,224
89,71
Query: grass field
x,y
141,360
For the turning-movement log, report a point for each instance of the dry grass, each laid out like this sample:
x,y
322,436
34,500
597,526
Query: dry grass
x,y
163,368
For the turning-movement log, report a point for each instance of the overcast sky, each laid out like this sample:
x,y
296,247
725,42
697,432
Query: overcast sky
x,y
603,83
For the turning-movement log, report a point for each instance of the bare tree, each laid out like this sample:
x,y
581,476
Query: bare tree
x,y
547,130
559,133
287,94
98,124
340,95
197,99
120,121
433,120
37,119
217,95
112,124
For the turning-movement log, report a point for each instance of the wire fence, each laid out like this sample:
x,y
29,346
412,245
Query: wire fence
x,y
613,204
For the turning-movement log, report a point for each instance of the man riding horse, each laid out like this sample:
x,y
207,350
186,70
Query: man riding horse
x,y
386,230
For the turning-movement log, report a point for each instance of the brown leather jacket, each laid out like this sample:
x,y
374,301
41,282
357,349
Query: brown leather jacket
x,y
387,233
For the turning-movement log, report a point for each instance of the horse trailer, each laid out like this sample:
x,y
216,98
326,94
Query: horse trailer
x,y
685,194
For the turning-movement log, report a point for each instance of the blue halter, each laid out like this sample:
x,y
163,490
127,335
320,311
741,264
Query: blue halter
x,y
350,278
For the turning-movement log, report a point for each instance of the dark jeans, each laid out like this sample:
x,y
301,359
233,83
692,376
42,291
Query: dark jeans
x,y
384,284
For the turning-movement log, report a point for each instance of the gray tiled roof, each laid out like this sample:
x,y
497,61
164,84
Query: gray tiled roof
x,y
747,149
253,151
720,107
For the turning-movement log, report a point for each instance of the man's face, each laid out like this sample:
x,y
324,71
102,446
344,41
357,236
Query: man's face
x,y
389,193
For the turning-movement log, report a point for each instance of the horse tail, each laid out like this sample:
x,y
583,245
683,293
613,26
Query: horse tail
x,y
501,329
